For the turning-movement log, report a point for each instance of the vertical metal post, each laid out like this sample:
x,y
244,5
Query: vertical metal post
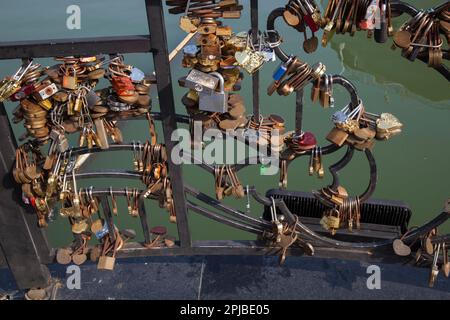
x,y
108,217
2,258
158,41
298,109
255,78
144,222
23,243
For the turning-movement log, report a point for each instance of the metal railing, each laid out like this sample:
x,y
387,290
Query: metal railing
x,y
25,246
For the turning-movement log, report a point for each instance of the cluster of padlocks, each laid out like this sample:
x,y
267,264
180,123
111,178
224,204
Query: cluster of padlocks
x,y
215,62
57,101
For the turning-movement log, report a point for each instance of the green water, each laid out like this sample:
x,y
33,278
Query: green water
x,y
412,167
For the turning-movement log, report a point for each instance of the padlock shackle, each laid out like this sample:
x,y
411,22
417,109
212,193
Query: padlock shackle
x,y
221,81
71,68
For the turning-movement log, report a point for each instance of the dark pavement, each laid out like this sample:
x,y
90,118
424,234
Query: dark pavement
x,y
242,277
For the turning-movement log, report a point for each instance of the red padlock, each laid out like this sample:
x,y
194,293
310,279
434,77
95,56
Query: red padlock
x,y
305,141
123,86
22,93
311,24
32,202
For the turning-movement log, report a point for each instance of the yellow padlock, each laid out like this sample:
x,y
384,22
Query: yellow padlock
x,y
334,221
46,104
78,104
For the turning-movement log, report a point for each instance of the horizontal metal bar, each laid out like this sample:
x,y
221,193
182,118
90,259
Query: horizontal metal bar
x,y
224,220
250,247
76,47
307,233
123,174
220,247
260,223
155,116
112,147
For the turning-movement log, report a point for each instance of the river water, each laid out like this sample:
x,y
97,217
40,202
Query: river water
x,y
412,167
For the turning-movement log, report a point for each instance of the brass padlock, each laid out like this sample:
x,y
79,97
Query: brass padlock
x,y
77,105
70,79
337,136
224,31
189,24
106,263
79,227
227,191
206,29
97,226
46,104
333,221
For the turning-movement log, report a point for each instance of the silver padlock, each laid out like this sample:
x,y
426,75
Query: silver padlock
x,y
63,143
217,101
201,82
92,98
60,141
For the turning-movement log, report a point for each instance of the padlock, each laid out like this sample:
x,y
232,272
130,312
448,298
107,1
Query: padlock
x,y
78,104
79,227
92,99
280,72
331,221
190,50
201,82
189,24
224,31
250,60
305,140
137,75
337,136
308,11
381,33
106,263
334,220
217,101
286,68
211,52
372,17
22,93
101,133
99,229
62,143
46,104
45,91
96,74
207,29
269,55
123,86
324,222
70,79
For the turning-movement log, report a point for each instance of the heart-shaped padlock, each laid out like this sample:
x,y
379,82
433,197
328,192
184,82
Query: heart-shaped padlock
x,y
242,57
388,122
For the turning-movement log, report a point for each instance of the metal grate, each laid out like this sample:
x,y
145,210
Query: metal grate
x,y
382,212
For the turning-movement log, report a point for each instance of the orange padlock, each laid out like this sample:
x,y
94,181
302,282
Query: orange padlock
x,y
123,86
